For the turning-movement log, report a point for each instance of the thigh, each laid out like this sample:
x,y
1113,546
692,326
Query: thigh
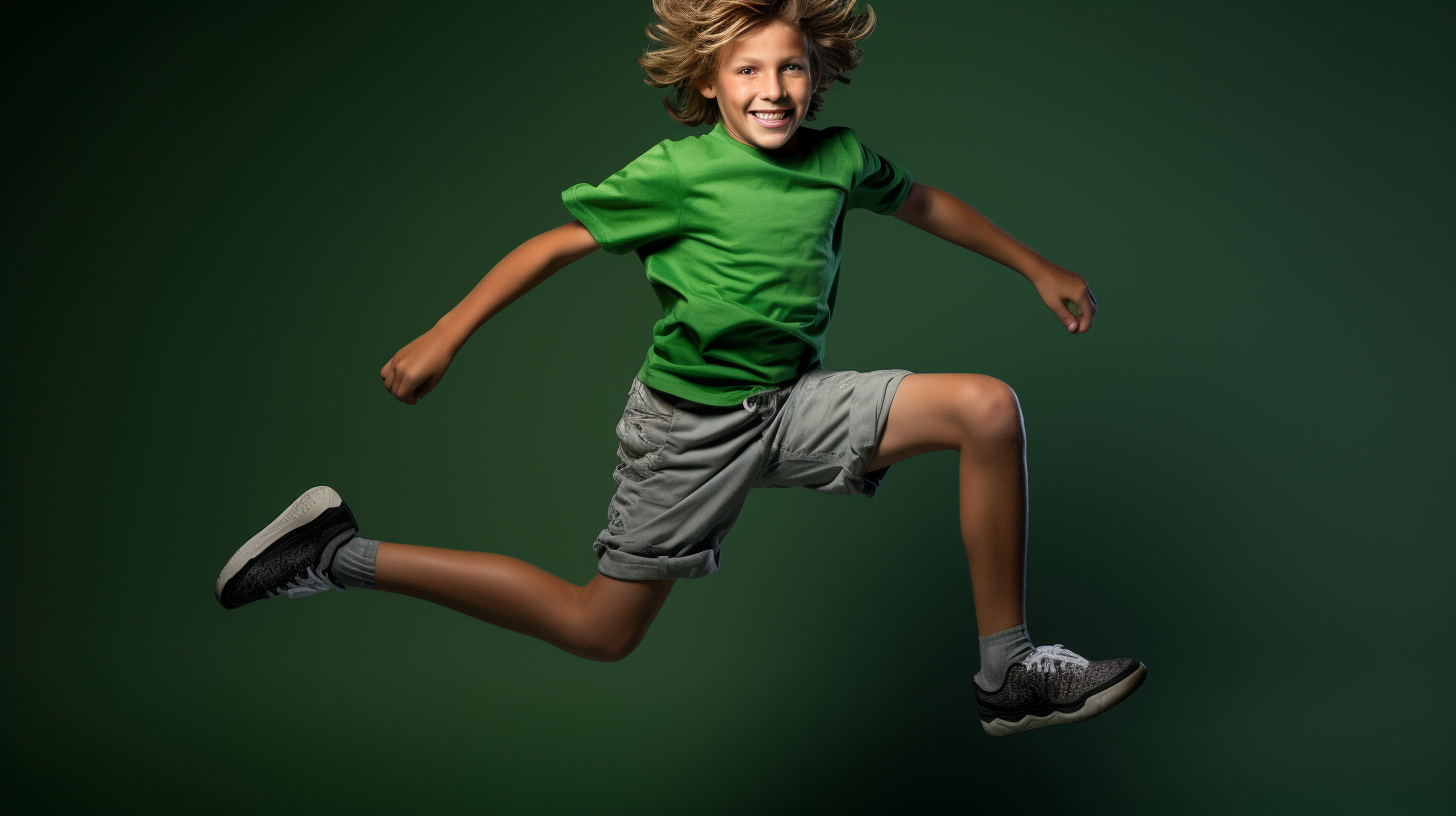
x,y
683,477
933,412
825,437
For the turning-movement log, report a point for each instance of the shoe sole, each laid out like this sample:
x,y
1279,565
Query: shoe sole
x,y
1094,705
312,504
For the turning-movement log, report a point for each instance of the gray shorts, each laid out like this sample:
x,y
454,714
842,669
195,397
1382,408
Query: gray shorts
x,y
686,468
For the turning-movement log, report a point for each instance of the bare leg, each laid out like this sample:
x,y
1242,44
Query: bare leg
x,y
604,620
980,417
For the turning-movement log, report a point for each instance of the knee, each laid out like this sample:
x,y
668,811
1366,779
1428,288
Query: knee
x,y
607,646
612,651
989,411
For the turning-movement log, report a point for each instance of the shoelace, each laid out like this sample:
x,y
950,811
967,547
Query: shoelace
x,y
774,397
1050,658
304,584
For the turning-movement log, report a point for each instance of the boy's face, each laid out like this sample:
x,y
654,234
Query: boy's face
x,y
765,71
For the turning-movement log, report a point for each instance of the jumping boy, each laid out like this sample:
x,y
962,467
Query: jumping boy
x,y
740,231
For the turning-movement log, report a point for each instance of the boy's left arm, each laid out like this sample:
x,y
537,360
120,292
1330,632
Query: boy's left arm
x,y
945,216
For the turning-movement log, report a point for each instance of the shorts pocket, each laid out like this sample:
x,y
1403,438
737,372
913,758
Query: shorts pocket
x,y
642,437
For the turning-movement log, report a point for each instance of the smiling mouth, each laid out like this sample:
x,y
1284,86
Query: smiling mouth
x,y
771,118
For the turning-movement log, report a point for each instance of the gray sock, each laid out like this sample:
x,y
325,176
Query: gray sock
x,y
999,652
353,564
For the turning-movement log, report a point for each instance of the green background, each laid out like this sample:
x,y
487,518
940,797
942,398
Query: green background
x,y
224,218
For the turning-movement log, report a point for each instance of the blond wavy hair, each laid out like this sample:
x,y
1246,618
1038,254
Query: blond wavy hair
x,y
691,32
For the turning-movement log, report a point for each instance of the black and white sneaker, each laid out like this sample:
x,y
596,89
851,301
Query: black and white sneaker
x,y
288,557
1052,686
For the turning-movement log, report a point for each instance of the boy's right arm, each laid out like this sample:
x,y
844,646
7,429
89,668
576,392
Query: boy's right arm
x,y
417,368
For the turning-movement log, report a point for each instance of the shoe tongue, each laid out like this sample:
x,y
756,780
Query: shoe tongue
x,y
1049,658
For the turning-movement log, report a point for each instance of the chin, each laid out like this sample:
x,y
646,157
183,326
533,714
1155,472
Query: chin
x,y
774,141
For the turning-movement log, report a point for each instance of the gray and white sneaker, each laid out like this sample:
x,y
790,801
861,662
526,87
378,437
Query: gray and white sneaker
x,y
290,556
1053,685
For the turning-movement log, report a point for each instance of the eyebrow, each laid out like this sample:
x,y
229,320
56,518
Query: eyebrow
x,y
750,61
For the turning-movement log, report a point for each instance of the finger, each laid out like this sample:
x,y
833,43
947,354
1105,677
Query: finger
x,y
384,372
1079,316
401,387
409,388
1060,310
1089,311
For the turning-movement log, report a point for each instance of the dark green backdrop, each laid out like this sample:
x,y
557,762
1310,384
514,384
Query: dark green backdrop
x,y
226,217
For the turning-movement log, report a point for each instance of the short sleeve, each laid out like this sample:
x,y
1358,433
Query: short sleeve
x,y
881,185
635,206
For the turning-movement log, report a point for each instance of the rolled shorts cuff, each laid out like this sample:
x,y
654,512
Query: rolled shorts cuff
x,y
627,567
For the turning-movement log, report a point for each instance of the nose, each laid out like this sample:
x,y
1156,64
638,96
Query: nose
x,y
773,88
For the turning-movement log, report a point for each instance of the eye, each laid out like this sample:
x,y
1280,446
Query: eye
x,y
795,65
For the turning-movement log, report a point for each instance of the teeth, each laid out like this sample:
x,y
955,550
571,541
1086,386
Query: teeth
x,y
771,116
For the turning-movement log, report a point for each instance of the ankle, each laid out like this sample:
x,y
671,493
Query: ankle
x,y
999,651
353,563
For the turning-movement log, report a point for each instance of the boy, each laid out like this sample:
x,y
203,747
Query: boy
x,y
740,232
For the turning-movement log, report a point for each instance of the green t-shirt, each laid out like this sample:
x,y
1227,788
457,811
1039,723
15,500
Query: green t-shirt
x,y
742,249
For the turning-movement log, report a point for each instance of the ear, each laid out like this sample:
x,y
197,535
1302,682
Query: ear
x,y
708,91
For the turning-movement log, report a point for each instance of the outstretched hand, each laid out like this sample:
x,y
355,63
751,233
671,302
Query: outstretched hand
x,y
1062,288
416,369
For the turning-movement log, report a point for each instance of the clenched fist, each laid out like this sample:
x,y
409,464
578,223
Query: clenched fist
x,y
416,369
